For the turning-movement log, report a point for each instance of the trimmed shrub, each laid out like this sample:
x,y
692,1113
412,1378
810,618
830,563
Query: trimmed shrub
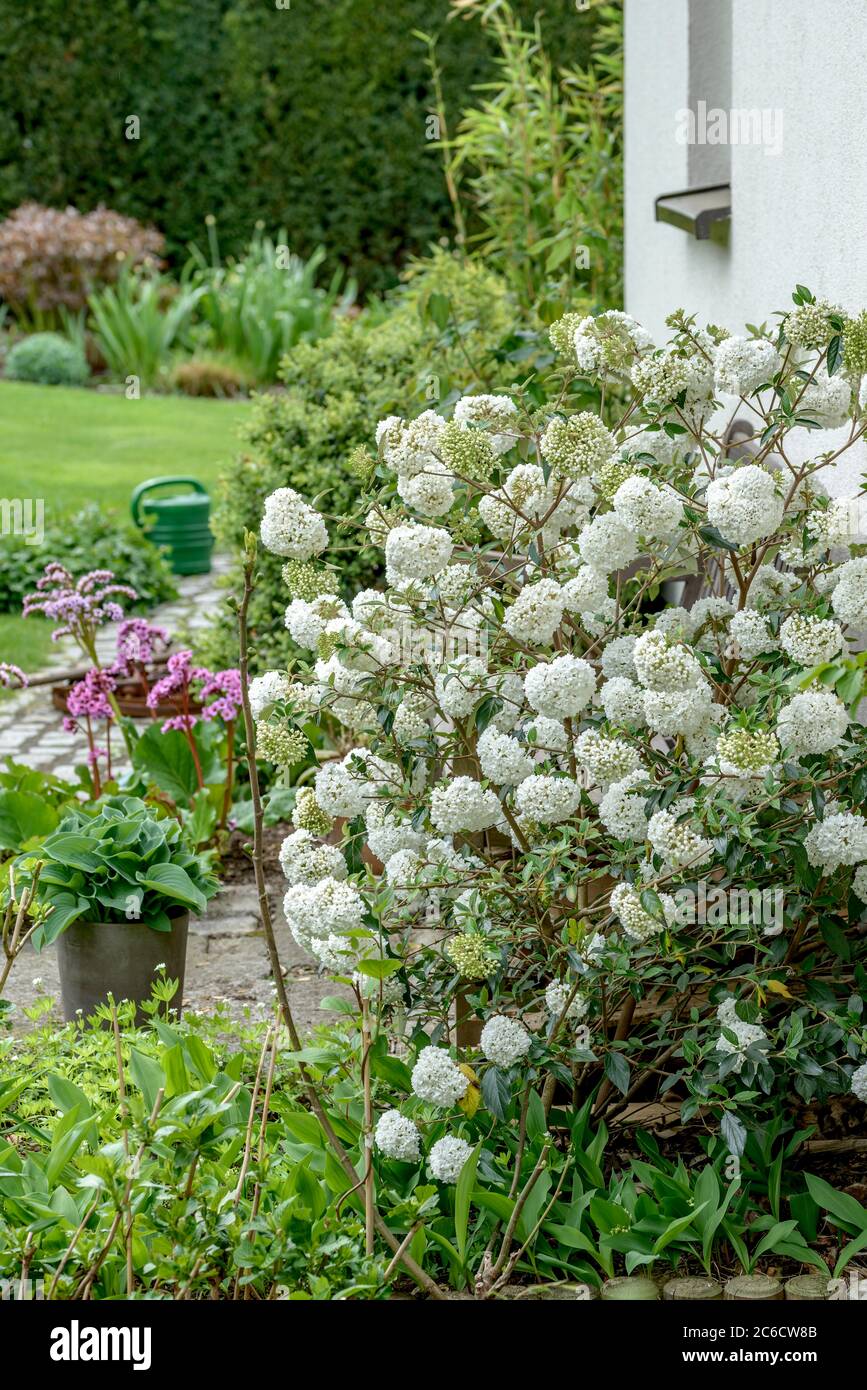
x,y
313,117
52,260
336,391
48,359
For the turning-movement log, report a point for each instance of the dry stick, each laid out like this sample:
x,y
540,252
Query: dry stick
x,y
251,1119
13,936
428,1284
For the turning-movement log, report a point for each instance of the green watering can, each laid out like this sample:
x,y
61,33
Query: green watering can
x,y
181,523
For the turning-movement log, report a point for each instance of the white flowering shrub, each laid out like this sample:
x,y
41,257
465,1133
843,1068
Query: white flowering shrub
x,y
618,828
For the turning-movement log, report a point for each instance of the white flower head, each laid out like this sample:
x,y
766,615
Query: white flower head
x,y
504,1041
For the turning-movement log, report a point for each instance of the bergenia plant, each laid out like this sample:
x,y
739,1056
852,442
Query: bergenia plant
x,y
198,694
90,701
79,606
607,751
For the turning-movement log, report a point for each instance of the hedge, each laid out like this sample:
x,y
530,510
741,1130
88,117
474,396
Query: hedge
x,y
310,116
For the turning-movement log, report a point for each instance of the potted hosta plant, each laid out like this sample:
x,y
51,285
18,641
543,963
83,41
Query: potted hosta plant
x,y
115,891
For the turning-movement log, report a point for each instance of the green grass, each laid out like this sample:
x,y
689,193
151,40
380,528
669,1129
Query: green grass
x,y
26,642
73,446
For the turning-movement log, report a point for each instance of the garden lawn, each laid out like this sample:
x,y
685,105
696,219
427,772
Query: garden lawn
x,y
72,446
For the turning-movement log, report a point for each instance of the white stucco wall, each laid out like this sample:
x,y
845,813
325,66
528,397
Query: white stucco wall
x,y
797,216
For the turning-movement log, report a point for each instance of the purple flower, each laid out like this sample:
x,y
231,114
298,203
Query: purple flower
x,y
11,675
226,686
137,641
78,606
88,698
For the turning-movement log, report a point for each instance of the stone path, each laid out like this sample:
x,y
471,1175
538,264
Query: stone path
x,y
31,728
227,961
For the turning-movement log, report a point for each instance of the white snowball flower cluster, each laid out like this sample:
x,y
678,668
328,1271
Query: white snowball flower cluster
x,y
827,400
561,688
621,809
304,860
447,1158
504,1041
586,591
623,702
745,1033
416,552
266,690
557,996
750,632
576,447
437,1079
397,1137
646,509
498,413
546,800
430,492
611,340
464,805
388,833
841,838
858,1084
291,527
410,448
742,365
502,758
675,841
663,665
321,910
606,544
460,684
634,918
536,613
812,722
745,506
618,657
809,640
604,759
849,598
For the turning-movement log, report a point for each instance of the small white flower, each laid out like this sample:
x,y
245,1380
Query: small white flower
x,y
447,1158
436,1078
859,1082
504,1040
291,527
744,506
397,1137
812,722
561,688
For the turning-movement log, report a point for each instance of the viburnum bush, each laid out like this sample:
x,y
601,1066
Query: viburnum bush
x,y
593,844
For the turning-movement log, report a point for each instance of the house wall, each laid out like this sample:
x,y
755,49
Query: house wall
x,y
798,215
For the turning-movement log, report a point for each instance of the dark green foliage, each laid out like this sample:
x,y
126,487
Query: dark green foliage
x,y
312,116
337,390
92,539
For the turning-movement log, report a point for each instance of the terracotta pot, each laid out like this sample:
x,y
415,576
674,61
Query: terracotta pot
x,y
130,699
119,958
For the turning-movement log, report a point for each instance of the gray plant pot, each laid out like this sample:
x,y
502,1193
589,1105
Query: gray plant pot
x,y
118,958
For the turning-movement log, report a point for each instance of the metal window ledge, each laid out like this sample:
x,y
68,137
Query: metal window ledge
x,y
705,213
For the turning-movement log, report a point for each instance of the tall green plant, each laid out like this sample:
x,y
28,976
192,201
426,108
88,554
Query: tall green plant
x,y
535,170
140,322
261,305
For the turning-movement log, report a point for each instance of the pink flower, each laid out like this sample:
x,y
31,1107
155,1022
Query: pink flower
x,y
11,675
137,640
79,606
89,699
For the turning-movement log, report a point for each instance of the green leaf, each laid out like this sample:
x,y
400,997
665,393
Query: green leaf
x,y
496,1092
616,1069
780,1231
379,969
177,1081
147,1075
24,816
835,354
734,1132
463,1192
171,881
839,1204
